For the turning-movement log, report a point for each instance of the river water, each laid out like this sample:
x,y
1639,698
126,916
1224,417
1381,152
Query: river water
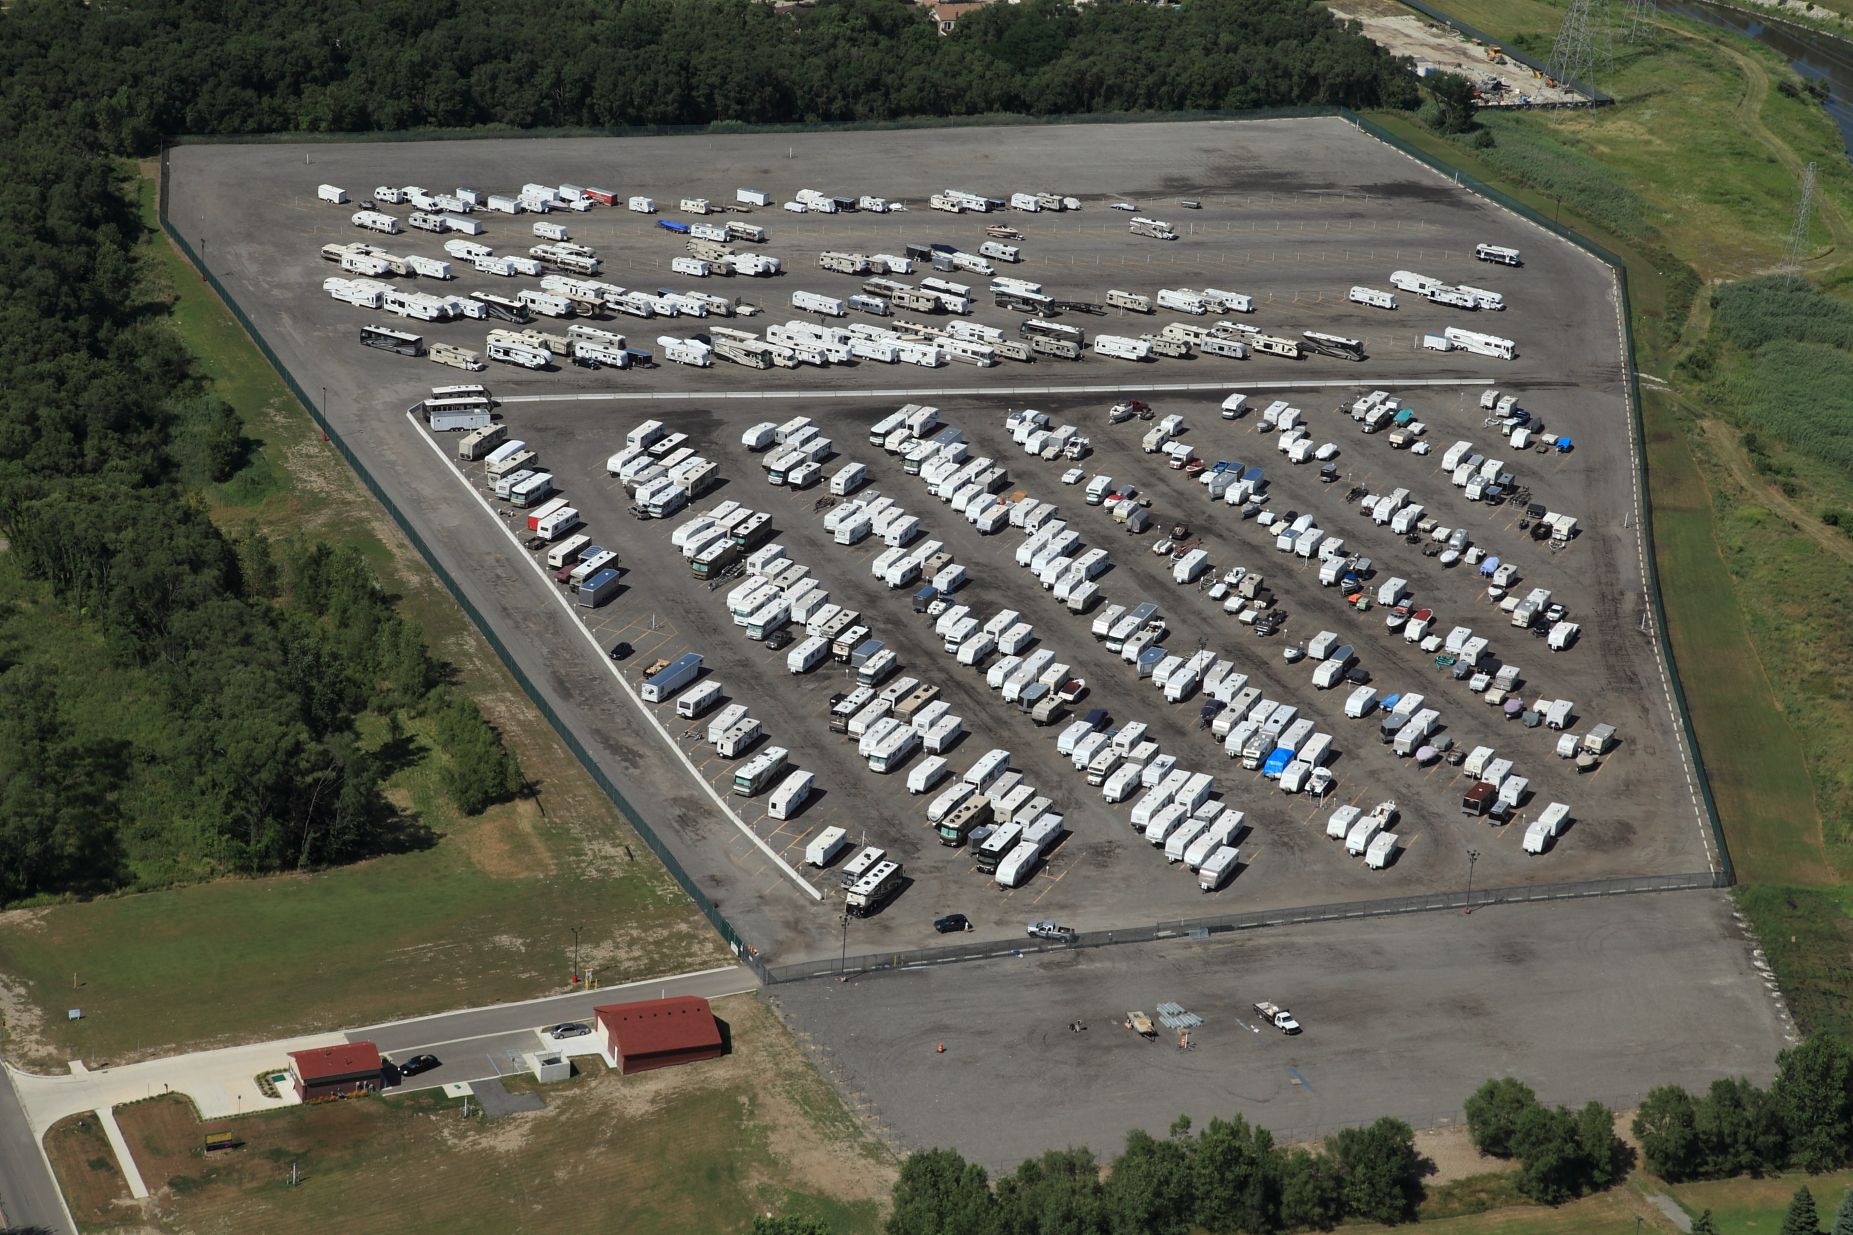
x,y
1817,57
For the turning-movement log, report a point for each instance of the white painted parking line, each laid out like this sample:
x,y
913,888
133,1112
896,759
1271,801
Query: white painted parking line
x,y
617,675
1000,390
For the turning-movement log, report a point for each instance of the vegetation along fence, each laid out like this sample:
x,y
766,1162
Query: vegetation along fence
x,y
1720,876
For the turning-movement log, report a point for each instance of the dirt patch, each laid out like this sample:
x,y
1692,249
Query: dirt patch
x,y
22,1021
1405,33
503,843
1729,453
1452,1152
86,1166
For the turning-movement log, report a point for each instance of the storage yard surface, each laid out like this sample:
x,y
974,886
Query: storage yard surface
x,y
1294,214
1403,1016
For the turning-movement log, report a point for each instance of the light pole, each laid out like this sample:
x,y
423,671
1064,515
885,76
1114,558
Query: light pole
x,y
842,964
575,931
1473,855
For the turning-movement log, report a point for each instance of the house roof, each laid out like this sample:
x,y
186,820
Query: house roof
x,y
653,1026
332,1062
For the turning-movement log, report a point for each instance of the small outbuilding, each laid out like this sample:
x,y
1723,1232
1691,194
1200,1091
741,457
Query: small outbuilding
x,y
335,1071
658,1033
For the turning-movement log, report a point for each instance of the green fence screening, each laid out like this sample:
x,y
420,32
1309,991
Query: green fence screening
x,y
1722,876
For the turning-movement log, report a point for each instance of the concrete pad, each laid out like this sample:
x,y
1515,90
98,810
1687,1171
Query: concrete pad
x,y
131,1173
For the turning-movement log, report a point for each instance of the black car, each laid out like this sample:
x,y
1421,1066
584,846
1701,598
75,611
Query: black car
x,y
620,651
778,640
952,922
569,1029
417,1064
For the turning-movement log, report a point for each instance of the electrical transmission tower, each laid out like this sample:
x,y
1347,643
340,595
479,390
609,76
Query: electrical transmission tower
x,y
1797,253
1582,45
1639,11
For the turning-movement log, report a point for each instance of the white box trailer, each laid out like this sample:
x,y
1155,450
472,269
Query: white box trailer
x,y
332,194
725,720
825,846
1225,830
987,769
807,655
1217,868
1382,849
1038,837
927,773
737,738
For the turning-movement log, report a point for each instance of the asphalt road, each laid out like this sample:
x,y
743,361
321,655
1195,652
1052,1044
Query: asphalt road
x,y
28,1193
487,1042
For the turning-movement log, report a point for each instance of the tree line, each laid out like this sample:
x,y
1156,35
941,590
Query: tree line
x,y
175,702
1232,1177
133,74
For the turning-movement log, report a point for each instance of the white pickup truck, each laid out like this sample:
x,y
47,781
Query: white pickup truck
x,y
1277,1016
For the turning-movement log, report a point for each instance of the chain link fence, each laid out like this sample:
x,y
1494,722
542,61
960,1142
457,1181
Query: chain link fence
x,y
482,624
1224,924
1722,877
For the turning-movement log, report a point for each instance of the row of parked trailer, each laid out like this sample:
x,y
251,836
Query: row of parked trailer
x,y
1047,548
514,474
1460,649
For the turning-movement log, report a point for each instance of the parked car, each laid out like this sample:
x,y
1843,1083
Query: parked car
x,y
778,640
1052,930
417,1064
569,1029
620,651
952,922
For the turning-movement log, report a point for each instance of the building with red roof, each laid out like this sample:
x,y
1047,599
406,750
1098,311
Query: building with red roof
x,y
335,1071
658,1033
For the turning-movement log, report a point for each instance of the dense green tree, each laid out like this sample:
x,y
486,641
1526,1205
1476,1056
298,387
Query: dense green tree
x,y
1493,1114
1236,1177
940,1193
472,62
1452,95
1058,1193
1311,1192
1595,1128
1381,1170
1703,1224
1801,1218
1843,1217
1553,1167
1813,1091
1151,1190
1740,1131
1666,1125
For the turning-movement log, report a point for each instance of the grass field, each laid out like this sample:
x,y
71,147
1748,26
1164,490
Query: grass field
x,y
484,915
93,1184
698,1148
1708,149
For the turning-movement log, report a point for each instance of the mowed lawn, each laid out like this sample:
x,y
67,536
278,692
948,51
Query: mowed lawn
x,y
703,1147
483,915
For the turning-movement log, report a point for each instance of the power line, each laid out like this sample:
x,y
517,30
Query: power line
x,y
1639,16
1797,254
1582,45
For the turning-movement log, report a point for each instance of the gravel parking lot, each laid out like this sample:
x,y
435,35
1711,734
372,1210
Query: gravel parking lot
x,y
1599,999
1292,213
